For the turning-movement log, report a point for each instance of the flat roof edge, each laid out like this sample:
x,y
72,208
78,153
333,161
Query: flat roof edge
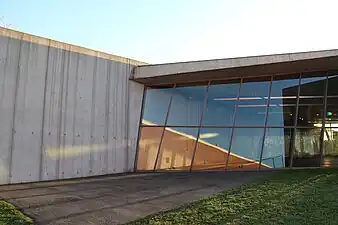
x,y
62,45
228,63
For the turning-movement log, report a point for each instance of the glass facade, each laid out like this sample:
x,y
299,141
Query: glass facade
x,y
253,123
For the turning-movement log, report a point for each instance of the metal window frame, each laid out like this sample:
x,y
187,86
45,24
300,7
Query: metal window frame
x,y
266,122
292,128
323,121
200,125
139,129
165,124
295,123
233,125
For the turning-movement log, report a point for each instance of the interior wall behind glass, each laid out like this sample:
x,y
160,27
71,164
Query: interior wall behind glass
x,y
252,102
212,149
177,149
148,146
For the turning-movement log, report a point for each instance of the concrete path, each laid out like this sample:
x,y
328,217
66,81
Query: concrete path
x,y
117,199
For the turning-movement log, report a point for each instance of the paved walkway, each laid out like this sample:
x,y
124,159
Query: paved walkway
x,y
117,199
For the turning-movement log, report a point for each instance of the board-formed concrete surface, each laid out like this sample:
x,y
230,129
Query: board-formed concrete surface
x,y
117,199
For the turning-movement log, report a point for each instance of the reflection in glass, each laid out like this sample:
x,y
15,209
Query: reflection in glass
x,y
307,147
156,105
331,115
312,89
246,148
150,138
177,149
212,149
252,103
277,145
310,115
330,151
332,86
187,106
283,100
221,104
311,100
330,157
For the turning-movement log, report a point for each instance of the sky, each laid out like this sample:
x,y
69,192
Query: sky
x,y
164,31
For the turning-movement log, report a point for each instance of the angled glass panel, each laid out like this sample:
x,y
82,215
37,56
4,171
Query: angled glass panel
x,y
310,115
283,100
221,103
330,156
177,148
312,89
311,100
187,106
307,148
246,148
331,115
148,145
277,146
156,105
252,102
212,149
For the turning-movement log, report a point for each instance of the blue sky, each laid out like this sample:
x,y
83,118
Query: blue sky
x,y
159,31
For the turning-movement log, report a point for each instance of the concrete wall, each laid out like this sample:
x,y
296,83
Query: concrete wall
x,y
65,111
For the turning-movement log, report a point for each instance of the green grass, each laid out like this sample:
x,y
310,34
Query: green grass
x,y
9,215
287,197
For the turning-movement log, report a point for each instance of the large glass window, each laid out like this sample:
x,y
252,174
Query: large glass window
x,y
156,105
330,157
177,148
277,146
283,101
311,100
222,99
148,145
331,115
246,148
288,109
212,149
252,102
186,106
307,147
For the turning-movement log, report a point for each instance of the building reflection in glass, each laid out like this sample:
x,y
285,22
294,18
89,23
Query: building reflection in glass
x,y
267,122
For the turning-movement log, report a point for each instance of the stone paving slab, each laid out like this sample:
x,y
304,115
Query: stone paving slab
x,y
117,199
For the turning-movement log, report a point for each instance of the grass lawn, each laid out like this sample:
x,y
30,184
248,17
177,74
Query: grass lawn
x,y
9,215
288,197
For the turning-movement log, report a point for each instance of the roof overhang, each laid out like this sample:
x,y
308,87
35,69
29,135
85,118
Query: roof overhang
x,y
253,66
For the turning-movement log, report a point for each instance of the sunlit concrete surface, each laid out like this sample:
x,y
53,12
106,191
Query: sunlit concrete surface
x,y
118,199
65,111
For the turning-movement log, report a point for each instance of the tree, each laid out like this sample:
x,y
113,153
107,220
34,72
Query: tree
x,y
4,24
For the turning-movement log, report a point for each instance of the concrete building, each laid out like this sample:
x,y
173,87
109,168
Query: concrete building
x,y
67,112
